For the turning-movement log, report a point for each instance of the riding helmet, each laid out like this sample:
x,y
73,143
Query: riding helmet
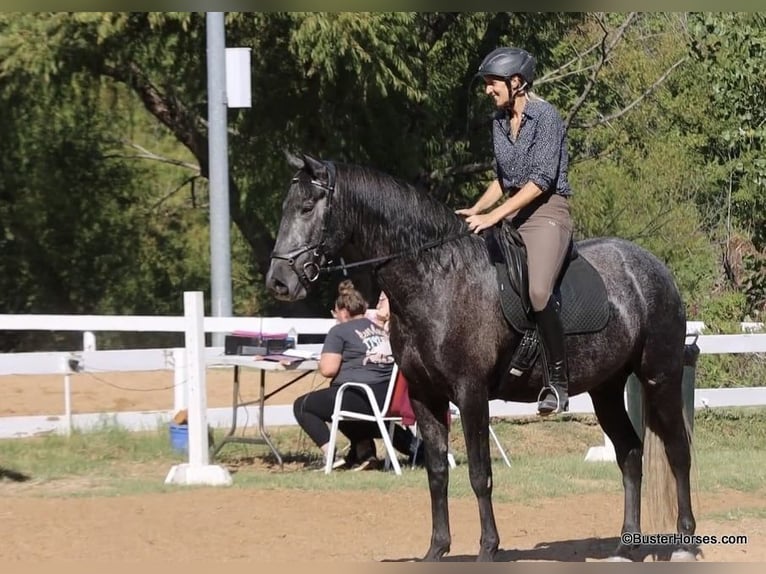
x,y
508,62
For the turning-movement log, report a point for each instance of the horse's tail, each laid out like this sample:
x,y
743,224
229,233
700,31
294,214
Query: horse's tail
x,y
660,491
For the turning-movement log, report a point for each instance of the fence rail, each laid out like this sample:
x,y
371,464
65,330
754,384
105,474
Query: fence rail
x,y
68,363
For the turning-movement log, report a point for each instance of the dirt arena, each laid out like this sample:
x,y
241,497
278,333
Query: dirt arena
x,y
289,525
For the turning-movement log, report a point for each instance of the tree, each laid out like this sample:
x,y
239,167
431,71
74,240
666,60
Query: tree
x,y
396,91
731,48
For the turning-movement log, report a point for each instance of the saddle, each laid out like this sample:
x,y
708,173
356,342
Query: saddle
x,y
579,292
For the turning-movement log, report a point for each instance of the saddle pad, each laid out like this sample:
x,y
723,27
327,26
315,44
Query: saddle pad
x,y
584,303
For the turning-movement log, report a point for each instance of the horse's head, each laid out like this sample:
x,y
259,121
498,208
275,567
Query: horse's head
x,y
303,241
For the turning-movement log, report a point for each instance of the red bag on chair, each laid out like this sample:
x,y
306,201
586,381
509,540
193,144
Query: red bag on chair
x,y
402,407
400,401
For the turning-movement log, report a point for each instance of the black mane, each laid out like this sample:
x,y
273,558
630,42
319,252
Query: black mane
x,y
393,216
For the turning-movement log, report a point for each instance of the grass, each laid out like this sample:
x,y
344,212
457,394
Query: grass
x,y
738,514
547,458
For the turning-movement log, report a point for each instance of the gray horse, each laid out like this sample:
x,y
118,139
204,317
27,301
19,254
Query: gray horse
x,y
452,341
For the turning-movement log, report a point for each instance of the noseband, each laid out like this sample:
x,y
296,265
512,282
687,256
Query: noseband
x,y
309,271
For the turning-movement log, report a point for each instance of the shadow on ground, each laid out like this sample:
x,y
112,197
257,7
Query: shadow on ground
x,y
577,550
13,475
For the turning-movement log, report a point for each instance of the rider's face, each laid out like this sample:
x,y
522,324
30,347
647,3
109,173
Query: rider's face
x,y
497,89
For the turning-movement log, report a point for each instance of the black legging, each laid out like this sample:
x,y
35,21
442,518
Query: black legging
x,y
314,410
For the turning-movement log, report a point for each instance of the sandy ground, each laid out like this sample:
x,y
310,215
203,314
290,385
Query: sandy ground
x,y
289,526
105,392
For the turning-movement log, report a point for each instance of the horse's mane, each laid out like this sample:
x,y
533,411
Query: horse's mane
x,y
395,214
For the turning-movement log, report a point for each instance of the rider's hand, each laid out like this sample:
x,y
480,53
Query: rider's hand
x,y
479,222
468,211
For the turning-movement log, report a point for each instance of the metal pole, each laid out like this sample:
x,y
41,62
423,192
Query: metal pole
x,y
220,242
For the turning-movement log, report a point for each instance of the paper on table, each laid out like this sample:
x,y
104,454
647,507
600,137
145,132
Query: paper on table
x,y
302,353
283,359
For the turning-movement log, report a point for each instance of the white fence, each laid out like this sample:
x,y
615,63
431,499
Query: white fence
x,y
68,364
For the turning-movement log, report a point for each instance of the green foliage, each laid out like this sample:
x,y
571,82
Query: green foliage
x,y
731,428
638,179
81,232
755,282
731,48
725,371
723,313
114,104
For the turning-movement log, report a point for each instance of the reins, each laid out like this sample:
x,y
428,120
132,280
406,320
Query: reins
x,y
386,258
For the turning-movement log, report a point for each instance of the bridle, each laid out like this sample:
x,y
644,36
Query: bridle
x,y
309,272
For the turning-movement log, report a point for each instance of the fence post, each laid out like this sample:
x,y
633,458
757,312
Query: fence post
x,y
67,395
635,404
634,392
88,341
691,354
197,470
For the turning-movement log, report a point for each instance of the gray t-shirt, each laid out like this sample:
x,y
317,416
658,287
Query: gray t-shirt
x,y
365,350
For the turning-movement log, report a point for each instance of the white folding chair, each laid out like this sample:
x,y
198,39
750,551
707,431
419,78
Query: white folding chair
x,y
379,416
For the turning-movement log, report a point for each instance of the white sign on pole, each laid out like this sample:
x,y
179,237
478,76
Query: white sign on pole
x,y
238,89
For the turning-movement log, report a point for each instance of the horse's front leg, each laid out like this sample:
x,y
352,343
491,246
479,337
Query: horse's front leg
x,y
432,424
474,416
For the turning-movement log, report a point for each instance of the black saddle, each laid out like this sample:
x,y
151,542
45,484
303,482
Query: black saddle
x,y
579,289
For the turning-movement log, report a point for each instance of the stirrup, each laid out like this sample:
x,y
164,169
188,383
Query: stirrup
x,y
559,408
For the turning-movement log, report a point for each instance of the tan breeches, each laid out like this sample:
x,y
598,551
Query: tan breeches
x,y
546,227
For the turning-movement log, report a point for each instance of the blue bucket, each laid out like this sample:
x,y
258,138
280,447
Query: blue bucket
x,y
179,438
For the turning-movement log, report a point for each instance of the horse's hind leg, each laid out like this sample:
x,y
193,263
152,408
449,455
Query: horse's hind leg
x,y
610,410
474,416
432,425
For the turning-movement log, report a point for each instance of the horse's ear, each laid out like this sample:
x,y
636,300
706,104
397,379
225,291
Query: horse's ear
x,y
294,160
315,167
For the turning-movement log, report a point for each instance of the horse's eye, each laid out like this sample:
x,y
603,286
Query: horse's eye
x,y
307,206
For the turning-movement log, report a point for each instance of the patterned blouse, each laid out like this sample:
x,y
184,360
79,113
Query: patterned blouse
x,y
539,153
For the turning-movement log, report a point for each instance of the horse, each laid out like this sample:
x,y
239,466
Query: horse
x,y
451,340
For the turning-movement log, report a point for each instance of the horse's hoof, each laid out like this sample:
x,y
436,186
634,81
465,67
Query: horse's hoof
x,y
618,559
434,555
683,556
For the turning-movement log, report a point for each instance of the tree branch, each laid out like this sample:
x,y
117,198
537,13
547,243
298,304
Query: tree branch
x,y
557,74
606,49
635,102
171,112
146,154
178,188
166,109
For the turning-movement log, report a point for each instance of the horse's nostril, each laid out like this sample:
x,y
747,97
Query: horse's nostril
x,y
278,287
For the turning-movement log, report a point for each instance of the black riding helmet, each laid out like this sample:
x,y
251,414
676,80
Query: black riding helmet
x,y
508,62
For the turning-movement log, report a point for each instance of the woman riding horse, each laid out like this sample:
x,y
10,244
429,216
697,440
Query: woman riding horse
x,y
531,162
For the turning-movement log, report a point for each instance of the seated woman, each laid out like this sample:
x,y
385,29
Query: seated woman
x,y
356,349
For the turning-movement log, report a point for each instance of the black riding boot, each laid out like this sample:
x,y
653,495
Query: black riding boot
x,y
554,397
